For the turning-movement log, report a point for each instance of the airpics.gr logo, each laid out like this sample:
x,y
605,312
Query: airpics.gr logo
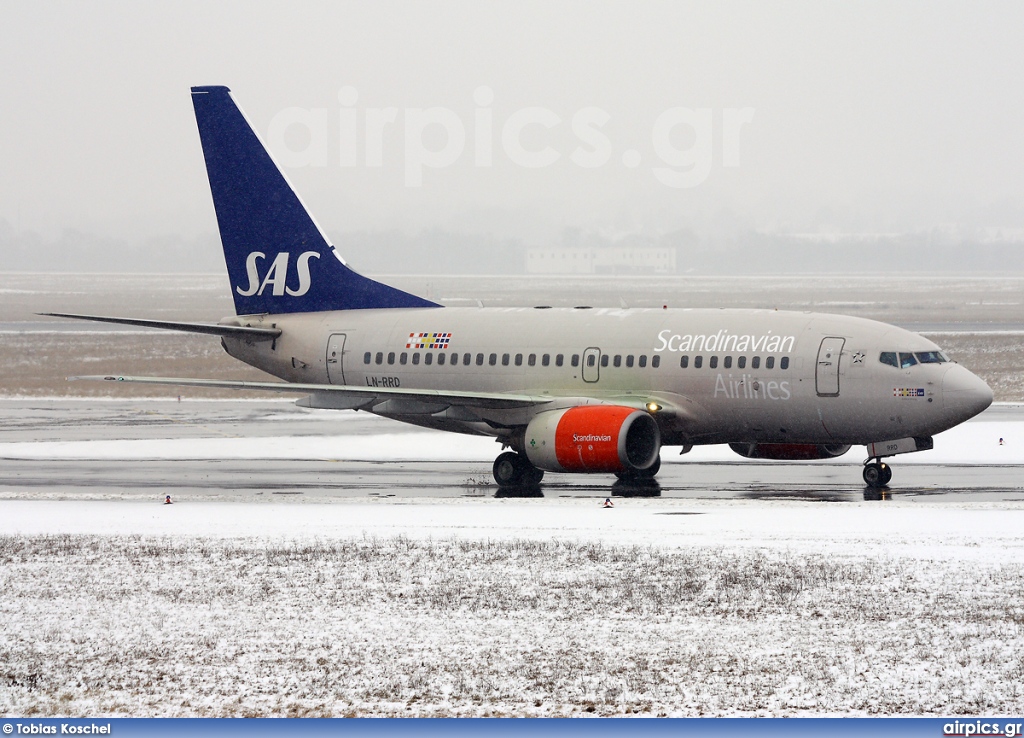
x,y
277,275
982,728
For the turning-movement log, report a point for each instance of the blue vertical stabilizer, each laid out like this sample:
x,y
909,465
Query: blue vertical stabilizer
x,y
278,259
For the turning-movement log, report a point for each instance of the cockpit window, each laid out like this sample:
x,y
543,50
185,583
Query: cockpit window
x,y
905,360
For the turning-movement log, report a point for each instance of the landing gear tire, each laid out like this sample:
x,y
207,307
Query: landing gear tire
x,y
532,475
512,470
507,469
638,474
877,474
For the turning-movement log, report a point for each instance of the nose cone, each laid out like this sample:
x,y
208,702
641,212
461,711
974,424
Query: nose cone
x,y
964,395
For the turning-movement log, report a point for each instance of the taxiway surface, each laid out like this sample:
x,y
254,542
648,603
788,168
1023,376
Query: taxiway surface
x,y
274,451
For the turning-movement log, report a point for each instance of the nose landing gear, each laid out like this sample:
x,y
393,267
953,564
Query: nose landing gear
x,y
877,473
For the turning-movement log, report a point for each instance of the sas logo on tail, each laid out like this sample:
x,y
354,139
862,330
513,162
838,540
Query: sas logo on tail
x,y
277,275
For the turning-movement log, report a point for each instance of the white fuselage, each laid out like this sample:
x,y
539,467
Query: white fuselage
x,y
717,376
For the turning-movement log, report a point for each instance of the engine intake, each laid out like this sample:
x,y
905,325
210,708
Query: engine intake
x,y
593,438
789,451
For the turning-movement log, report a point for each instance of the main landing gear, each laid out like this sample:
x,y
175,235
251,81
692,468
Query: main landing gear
x,y
514,470
640,475
877,473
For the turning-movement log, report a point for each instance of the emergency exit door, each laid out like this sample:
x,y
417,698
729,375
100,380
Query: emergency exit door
x,y
826,374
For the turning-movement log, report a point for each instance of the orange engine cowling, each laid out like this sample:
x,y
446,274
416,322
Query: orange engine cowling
x,y
789,451
593,438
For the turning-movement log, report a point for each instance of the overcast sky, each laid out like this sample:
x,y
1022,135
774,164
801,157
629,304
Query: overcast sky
x,y
856,116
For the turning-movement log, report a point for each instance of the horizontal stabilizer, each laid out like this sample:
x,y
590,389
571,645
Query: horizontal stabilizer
x,y
212,329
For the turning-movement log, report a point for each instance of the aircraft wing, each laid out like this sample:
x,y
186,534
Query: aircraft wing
x,y
349,397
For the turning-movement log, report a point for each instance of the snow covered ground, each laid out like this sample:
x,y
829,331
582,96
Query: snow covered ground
x,y
511,607
476,606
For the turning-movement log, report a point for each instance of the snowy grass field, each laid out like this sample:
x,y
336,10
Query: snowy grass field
x,y
657,607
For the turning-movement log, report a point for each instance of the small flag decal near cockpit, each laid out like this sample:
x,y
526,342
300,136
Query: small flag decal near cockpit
x,y
428,340
908,392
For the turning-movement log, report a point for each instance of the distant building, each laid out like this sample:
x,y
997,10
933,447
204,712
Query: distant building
x,y
601,260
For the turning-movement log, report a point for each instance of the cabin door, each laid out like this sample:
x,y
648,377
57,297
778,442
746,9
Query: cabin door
x,y
335,355
826,374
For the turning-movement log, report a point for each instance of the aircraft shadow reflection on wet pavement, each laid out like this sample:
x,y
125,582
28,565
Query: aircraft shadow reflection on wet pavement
x,y
250,480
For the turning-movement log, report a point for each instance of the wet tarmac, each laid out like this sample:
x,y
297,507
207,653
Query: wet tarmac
x,y
320,480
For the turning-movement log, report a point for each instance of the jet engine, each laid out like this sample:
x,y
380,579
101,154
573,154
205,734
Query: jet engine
x,y
789,451
593,438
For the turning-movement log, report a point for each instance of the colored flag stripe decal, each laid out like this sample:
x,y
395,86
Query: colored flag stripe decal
x,y
908,392
428,340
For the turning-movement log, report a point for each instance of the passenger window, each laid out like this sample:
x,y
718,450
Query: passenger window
x,y
379,358
504,359
532,361
907,360
713,362
403,358
888,357
575,360
618,360
697,361
492,359
545,360
755,363
479,359
366,358
391,357
629,360
684,361
741,362
519,359
428,359
591,360
784,363
415,358
655,362
769,363
558,360
728,362
455,359
440,358
642,361
604,360
466,357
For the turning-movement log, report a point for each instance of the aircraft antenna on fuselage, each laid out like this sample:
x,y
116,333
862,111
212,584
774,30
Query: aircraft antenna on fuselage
x,y
278,258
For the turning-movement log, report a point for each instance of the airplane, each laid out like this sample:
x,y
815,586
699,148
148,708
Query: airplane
x,y
584,390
